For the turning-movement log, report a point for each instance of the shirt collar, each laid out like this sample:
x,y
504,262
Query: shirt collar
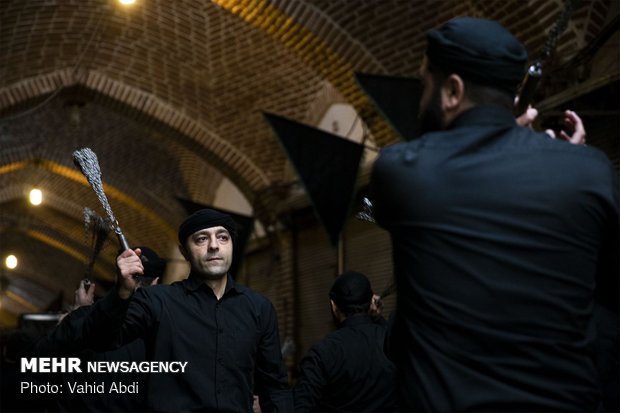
x,y
484,115
356,320
193,283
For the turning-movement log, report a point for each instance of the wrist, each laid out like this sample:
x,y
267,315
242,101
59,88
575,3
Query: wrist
x,y
124,293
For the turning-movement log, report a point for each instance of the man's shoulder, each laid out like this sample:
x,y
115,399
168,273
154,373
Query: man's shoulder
x,y
334,338
558,149
252,295
161,288
406,152
159,292
392,156
332,346
399,147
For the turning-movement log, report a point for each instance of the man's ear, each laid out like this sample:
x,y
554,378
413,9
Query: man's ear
x,y
333,304
339,315
452,93
183,252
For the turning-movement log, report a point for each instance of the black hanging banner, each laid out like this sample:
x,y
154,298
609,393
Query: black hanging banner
x,y
327,166
245,226
396,98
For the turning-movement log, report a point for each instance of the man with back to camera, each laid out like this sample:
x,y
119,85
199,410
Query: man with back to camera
x,y
502,237
227,333
348,370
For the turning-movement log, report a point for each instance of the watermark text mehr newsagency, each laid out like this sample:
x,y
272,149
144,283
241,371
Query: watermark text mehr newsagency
x,y
75,365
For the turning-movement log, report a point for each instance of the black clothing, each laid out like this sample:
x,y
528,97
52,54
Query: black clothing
x,y
607,356
497,235
231,345
66,341
13,398
347,371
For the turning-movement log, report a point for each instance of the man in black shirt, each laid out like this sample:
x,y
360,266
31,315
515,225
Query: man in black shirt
x,y
227,333
501,237
348,369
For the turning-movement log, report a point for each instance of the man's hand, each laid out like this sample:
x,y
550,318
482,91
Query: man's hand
x,y
128,265
256,405
572,122
574,125
376,306
528,117
84,295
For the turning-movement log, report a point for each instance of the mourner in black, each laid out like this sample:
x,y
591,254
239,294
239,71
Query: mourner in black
x,y
348,370
66,340
227,333
500,237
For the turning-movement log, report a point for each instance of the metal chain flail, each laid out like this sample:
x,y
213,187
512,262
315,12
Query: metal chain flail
x,y
86,161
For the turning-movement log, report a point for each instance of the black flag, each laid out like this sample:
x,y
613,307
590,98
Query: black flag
x,y
245,226
396,98
327,166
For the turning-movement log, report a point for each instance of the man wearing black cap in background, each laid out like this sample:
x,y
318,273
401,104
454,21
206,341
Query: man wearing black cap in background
x,y
227,334
500,235
348,370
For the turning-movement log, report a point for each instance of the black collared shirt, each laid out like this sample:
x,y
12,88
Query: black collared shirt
x,y
231,345
500,238
347,371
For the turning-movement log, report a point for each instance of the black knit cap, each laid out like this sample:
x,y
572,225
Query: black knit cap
x,y
153,265
351,288
479,50
206,218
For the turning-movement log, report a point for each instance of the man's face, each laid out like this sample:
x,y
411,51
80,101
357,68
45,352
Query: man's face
x,y
430,117
209,251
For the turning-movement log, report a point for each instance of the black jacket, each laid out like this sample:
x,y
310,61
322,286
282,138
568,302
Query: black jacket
x,y
347,371
500,237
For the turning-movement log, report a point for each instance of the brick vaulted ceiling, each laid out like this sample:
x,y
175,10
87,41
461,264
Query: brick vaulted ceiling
x,y
169,95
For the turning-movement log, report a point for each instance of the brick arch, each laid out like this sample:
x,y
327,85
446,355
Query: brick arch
x,y
72,174
332,63
238,167
313,36
58,238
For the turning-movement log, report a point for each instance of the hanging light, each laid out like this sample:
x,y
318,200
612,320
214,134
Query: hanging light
x,y
126,2
11,261
36,196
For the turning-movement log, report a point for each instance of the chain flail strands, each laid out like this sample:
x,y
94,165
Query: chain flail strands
x,y
86,160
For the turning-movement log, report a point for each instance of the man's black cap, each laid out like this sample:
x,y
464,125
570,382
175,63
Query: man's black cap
x,y
479,50
351,288
206,218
